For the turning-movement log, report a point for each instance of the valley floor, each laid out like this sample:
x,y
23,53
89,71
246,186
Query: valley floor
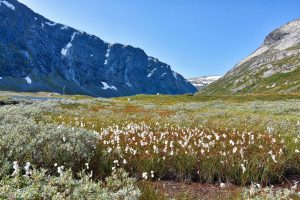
x,y
184,147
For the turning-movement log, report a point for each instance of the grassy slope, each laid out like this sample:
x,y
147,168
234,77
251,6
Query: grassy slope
x,y
251,83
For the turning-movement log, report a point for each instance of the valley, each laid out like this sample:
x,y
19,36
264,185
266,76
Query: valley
x,y
83,118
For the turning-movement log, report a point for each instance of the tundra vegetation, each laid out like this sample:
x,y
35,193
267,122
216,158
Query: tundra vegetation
x,y
79,147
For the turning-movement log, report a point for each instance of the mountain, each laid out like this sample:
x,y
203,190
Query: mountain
x,y
203,81
37,54
273,68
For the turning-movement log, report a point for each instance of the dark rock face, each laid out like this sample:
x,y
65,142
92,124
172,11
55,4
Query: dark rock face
x,y
37,54
274,36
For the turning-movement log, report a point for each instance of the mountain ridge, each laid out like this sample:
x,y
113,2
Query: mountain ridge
x,y
56,57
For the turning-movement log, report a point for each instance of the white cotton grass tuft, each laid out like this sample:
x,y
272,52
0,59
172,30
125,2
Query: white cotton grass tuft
x,y
16,168
60,170
27,169
145,175
234,150
87,165
273,156
152,174
243,167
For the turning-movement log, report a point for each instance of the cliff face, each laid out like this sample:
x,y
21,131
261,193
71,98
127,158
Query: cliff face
x,y
37,54
273,68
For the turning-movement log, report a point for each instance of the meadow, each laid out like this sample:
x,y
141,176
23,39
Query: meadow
x,y
119,148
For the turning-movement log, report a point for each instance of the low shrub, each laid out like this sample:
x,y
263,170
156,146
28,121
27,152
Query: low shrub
x,y
41,185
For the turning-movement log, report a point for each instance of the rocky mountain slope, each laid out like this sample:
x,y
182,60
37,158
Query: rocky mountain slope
x,y
273,68
203,81
37,54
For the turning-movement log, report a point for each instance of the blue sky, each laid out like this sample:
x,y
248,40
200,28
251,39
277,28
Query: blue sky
x,y
196,37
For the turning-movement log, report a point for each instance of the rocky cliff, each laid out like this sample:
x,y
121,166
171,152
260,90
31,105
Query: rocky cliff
x,y
37,54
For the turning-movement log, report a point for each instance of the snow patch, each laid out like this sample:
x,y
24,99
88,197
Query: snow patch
x,y
9,5
64,27
106,86
107,55
0,78
73,36
28,80
35,18
128,84
42,24
51,23
151,73
164,74
153,59
107,52
175,74
64,50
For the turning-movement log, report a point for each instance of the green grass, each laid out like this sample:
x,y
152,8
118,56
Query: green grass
x,y
173,99
150,192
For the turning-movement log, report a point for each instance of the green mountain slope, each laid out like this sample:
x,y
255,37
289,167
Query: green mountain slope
x,y
273,68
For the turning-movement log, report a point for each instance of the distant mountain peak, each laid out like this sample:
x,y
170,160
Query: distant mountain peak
x,y
203,81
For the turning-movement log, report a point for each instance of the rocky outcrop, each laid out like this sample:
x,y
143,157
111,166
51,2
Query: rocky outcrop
x,y
37,54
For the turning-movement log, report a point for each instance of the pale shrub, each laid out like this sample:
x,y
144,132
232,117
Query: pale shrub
x,y
255,192
40,185
24,140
